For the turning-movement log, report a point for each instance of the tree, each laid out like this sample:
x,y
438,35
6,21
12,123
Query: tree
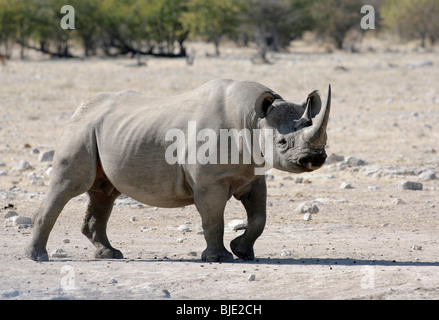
x,y
275,23
335,18
87,22
212,19
413,19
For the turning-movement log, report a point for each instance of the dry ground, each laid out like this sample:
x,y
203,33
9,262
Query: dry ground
x,y
360,245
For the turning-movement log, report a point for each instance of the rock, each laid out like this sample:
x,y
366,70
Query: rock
x,y
112,281
331,200
307,216
184,228
34,151
180,240
409,185
378,171
346,185
3,173
237,224
46,156
49,171
417,64
416,247
10,213
58,253
66,240
307,207
333,158
252,277
398,201
427,175
354,162
373,188
22,166
286,254
132,219
18,221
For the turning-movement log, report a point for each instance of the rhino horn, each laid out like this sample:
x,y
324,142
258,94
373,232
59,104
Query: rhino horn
x,y
316,134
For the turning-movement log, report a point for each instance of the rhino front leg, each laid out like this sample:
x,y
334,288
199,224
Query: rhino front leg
x,y
255,204
95,224
211,202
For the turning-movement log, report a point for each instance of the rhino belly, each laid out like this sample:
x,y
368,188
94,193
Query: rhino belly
x,y
142,173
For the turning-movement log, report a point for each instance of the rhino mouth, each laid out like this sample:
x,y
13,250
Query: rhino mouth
x,y
312,162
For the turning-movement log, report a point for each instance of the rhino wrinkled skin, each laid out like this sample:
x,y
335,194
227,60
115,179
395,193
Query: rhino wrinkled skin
x,y
115,144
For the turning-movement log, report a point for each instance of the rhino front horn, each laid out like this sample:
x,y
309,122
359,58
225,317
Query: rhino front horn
x,y
316,134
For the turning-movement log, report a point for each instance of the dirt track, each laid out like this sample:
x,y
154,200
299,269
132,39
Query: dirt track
x,y
363,243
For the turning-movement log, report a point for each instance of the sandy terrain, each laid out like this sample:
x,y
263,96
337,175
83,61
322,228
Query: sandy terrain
x,y
371,241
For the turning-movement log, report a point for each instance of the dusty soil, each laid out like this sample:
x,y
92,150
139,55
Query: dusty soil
x,y
363,243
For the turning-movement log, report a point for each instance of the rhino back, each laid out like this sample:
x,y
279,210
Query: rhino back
x,y
130,131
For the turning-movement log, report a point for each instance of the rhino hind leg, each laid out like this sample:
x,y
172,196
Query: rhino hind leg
x,y
73,173
44,220
98,212
255,204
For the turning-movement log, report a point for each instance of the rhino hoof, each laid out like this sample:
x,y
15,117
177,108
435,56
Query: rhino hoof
x,y
36,254
106,253
243,253
210,255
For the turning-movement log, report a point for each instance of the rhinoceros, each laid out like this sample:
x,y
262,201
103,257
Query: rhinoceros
x,y
115,144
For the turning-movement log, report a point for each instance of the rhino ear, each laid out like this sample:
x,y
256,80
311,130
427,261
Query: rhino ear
x,y
315,103
264,104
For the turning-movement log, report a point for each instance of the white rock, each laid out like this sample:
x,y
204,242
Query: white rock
x,y
398,201
180,240
112,281
184,228
58,253
346,185
416,247
286,254
307,216
252,277
49,171
3,173
307,207
428,175
132,219
237,224
46,156
21,166
17,220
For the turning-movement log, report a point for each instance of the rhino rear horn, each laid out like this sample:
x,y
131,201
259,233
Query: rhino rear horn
x,y
264,104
